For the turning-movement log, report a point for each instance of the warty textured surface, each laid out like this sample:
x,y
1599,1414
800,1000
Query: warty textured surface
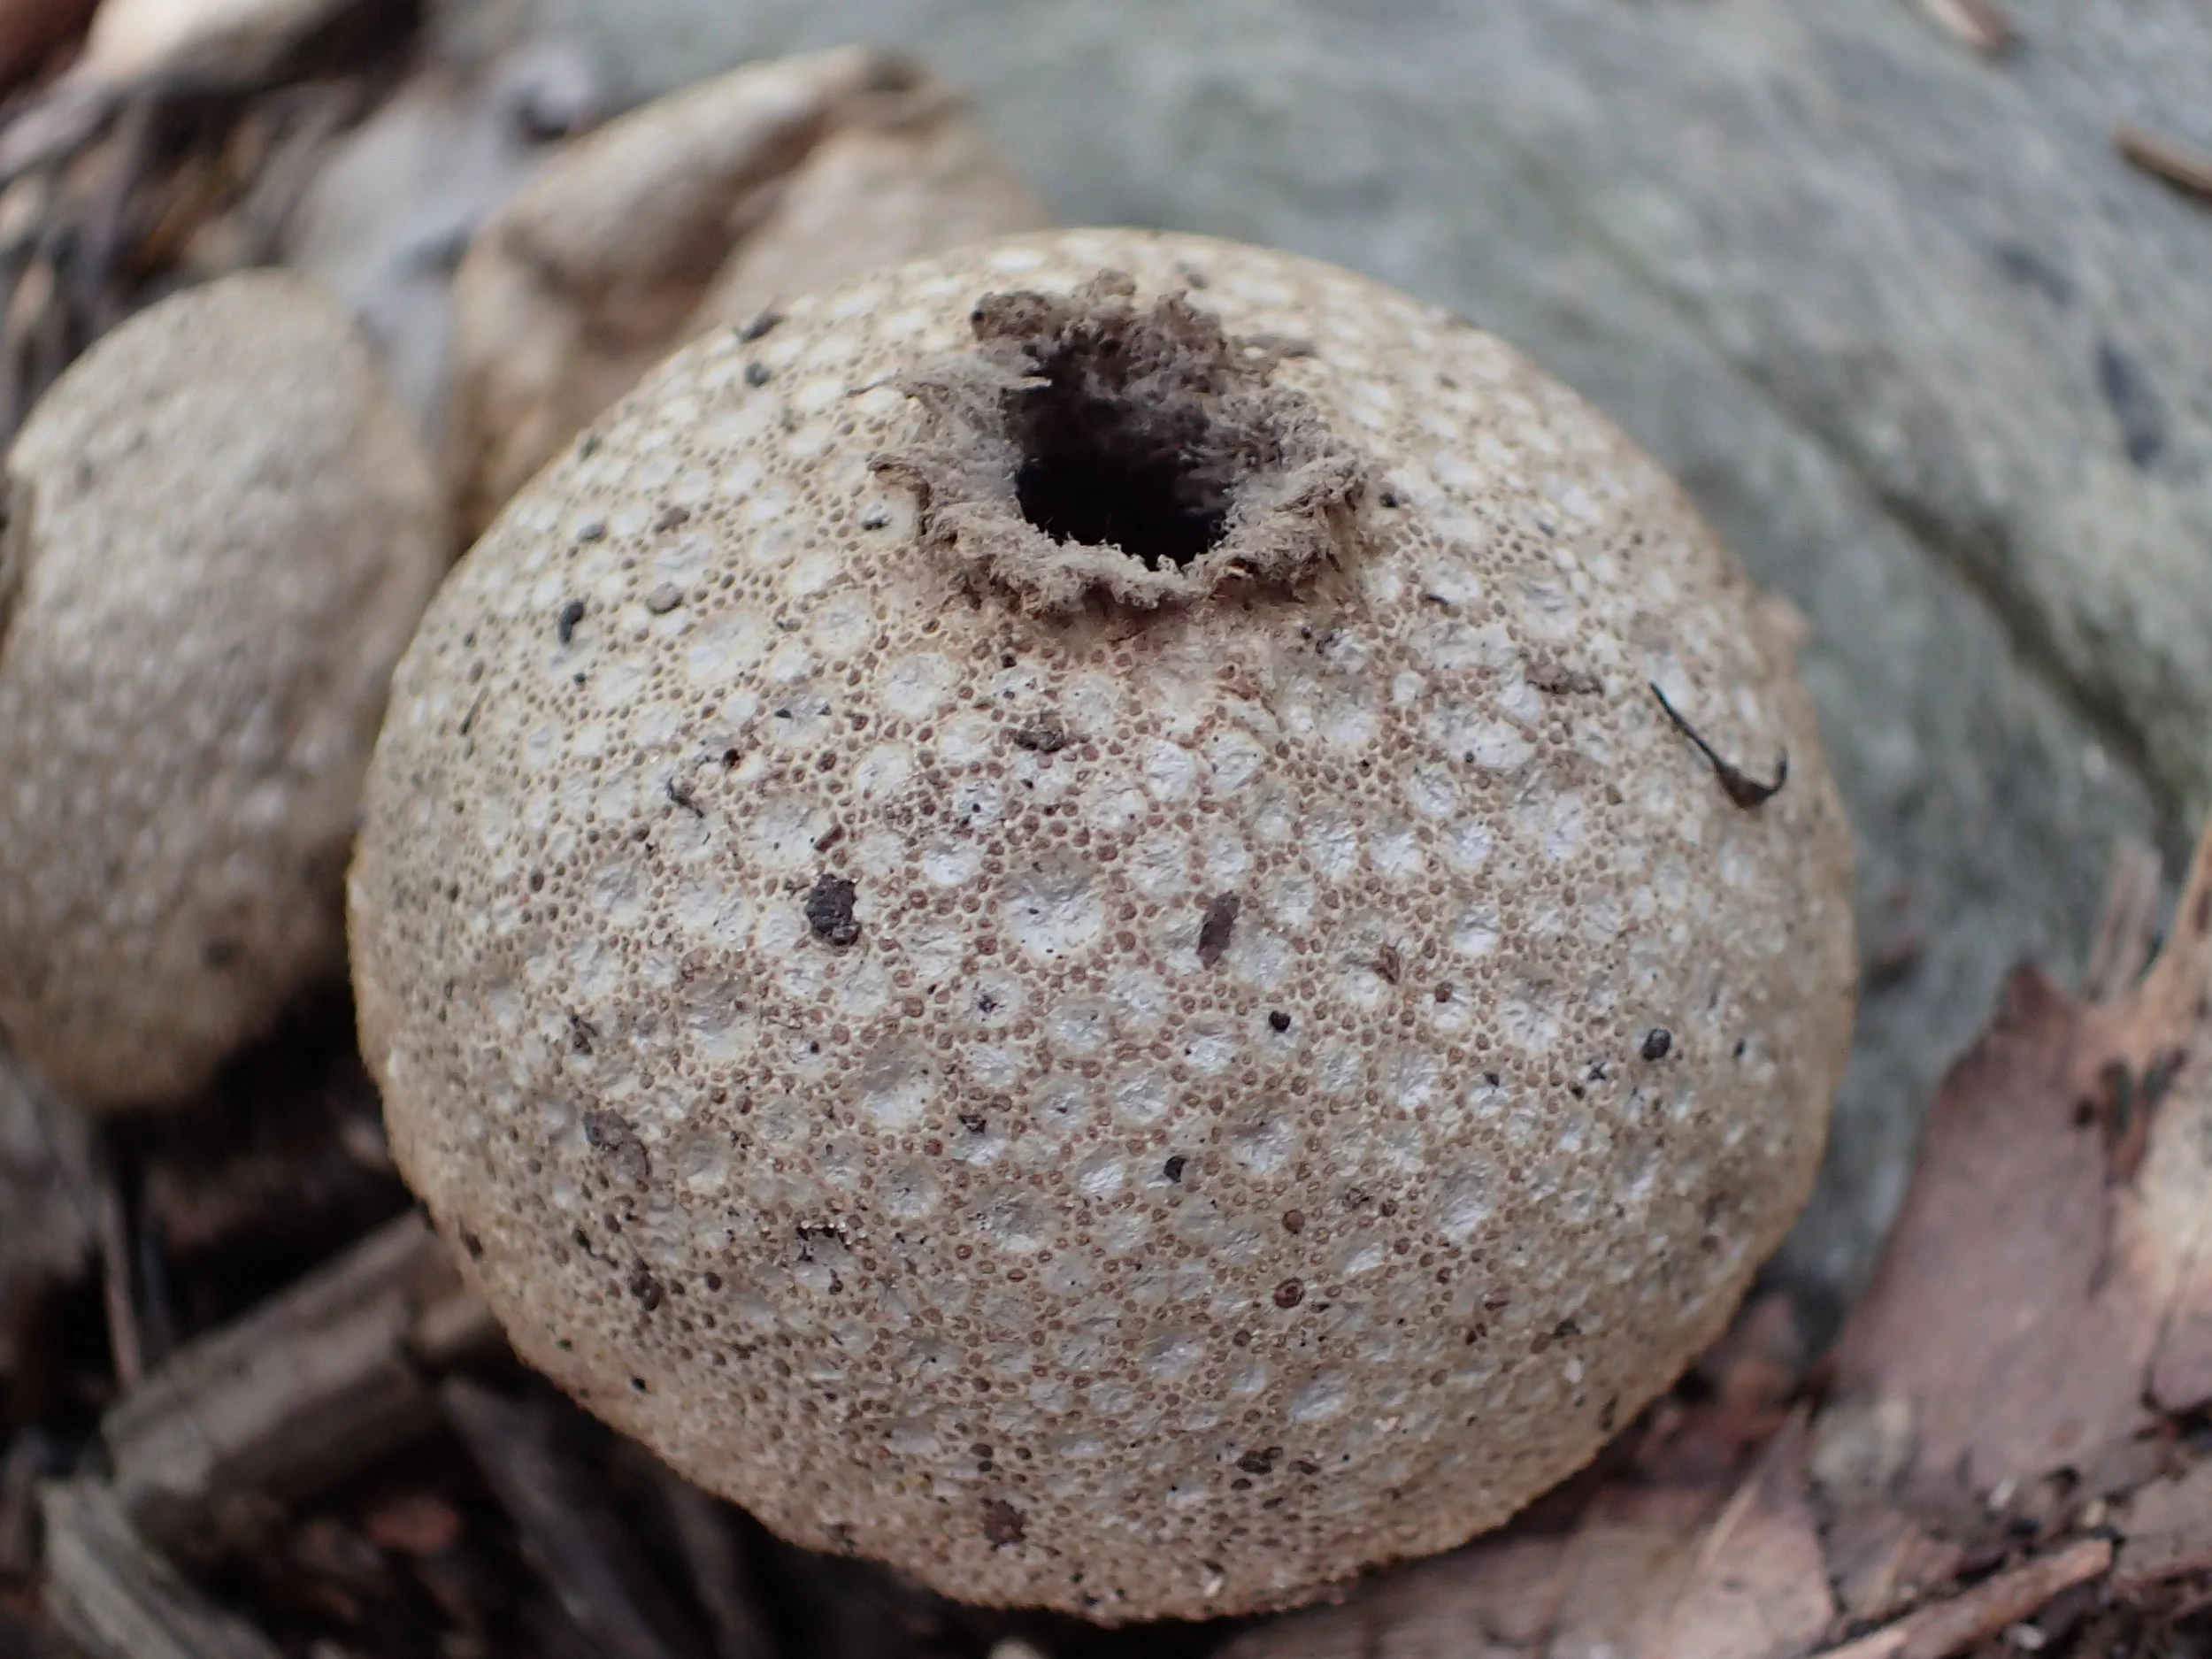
x,y
1919,343
220,533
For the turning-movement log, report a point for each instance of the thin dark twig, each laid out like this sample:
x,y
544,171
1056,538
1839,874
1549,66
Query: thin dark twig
x,y
587,1561
18,1509
101,239
14,360
720,1575
158,1323
1745,790
315,117
117,1599
115,1284
50,337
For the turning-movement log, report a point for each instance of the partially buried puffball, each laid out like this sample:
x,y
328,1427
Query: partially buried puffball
x,y
220,533
1046,923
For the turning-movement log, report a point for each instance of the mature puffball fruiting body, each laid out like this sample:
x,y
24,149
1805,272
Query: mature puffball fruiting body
x,y
220,533
1144,1063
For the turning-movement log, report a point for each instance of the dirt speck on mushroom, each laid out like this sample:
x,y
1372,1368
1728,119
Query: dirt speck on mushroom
x,y
1215,931
829,910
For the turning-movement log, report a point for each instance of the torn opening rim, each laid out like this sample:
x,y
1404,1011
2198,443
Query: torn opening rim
x,y
1091,449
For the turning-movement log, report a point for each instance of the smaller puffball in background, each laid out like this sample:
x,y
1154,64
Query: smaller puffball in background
x,y
220,533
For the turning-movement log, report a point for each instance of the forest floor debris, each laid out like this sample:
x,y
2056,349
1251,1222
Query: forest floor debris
x,y
268,1420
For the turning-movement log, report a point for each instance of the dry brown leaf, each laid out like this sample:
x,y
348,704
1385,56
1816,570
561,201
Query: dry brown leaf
x,y
693,210
1882,1562
1576,1595
1752,1373
1760,1587
2155,1045
1675,1570
2127,923
2169,1529
1999,1333
1989,1607
1492,1602
2046,1292
1625,1569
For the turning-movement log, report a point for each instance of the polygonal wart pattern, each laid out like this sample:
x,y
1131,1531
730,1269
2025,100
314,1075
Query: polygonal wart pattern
x,y
1146,1105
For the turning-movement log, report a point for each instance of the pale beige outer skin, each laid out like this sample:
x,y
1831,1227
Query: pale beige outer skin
x,y
883,1241
221,532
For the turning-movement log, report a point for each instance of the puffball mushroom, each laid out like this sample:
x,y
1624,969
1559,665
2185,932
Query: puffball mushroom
x,y
1042,921
220,533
